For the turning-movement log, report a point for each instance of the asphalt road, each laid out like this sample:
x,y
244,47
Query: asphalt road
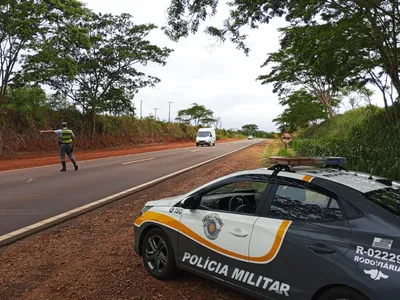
x,y
33,195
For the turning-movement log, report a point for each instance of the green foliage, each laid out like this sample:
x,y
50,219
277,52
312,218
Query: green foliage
x,y
25,27
228,134
307,60
28,102
106,74
328,45
284,152
302,109
363,136
250,128
185,16
199,114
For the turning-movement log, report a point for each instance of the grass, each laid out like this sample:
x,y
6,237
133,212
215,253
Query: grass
x,y
274,148
364,136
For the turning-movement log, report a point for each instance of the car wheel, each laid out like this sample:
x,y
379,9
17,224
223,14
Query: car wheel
x,y
342,293
197,145
158,255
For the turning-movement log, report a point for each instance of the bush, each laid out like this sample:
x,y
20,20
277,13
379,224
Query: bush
x,y
364,136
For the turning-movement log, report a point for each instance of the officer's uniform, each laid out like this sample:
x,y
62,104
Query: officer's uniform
x,y
65,136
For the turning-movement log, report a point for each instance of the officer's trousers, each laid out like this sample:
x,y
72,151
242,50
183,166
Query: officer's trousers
x,y
66,148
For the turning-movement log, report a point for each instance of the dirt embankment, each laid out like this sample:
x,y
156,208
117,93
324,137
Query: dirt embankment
x,y
36,160
91,257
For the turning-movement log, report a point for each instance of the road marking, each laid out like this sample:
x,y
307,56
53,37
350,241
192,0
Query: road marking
x,y
136,161
30,180
21,233
104,158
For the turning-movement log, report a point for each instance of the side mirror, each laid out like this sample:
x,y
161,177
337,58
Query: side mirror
x,y
191,202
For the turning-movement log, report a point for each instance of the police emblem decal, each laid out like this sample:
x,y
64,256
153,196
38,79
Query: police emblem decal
x,y
212,225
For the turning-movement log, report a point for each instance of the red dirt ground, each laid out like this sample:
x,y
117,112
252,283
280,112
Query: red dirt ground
x,y
31,161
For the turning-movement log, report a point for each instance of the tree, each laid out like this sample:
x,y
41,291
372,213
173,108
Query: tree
x,y
373,27
185,16
199,114
106,74
308,60
217,122
376,22
355,96
302,109
250,128
24,27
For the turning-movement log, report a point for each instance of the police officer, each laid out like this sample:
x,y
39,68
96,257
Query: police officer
x,y
66,139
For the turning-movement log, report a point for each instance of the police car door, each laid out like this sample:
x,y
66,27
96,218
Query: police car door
x,y
215,237
313,234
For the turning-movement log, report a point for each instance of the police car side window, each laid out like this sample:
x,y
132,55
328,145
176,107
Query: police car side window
x,y
241,196
296,203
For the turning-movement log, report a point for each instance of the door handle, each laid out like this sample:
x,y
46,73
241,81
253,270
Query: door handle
x,y
321,248
238,232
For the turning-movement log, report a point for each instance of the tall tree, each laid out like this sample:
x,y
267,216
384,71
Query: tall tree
x,y
301,109
108,72
250,128
308,60
374,26
24,27
355,96
199,114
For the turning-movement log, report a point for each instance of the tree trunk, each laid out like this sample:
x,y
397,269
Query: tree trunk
x,y
2,97
2,129
93,125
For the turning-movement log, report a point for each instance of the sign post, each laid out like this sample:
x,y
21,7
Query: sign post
x,y
286,138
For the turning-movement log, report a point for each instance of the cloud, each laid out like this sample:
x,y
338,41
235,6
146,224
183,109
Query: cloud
x,y
199,70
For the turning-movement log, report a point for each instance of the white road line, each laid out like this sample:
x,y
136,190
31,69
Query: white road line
x,y
31,229
102,158
30,180
137,161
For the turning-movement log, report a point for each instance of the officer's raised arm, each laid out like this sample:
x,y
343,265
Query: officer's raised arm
x,y
46,131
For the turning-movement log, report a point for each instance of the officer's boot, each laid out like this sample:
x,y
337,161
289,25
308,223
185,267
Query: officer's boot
x,y
64,167
75,164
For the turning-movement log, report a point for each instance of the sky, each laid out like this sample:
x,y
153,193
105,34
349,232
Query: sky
x,y
217,76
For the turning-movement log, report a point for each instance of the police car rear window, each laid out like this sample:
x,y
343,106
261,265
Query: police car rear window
x,y
389,199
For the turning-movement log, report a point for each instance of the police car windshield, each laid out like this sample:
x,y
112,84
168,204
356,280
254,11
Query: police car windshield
x,y
389,199
203,134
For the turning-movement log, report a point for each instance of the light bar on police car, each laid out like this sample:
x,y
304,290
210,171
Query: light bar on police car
x,y
306,161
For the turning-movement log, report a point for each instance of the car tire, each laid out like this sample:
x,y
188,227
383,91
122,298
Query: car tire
x,y
342,293
160,264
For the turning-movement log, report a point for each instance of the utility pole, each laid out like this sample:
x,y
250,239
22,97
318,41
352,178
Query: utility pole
x,y
141,104
155,114
169,111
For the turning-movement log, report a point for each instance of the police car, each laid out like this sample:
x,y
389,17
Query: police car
x,y
303,229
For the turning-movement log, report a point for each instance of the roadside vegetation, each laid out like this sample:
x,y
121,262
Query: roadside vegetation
x,y
363,136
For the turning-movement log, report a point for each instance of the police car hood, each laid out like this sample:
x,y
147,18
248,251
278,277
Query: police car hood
x,y
171,201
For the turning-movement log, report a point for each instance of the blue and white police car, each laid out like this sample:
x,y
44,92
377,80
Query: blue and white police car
x,y
302,229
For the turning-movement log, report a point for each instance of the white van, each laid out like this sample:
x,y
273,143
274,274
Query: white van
x,y
206,136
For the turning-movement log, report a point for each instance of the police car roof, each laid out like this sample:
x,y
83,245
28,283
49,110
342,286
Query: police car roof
x,y
356,180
